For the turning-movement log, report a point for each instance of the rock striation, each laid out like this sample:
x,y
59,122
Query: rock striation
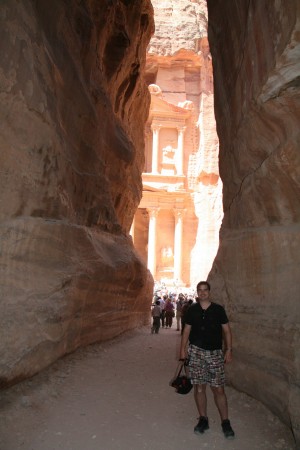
x,y
73,105
256,54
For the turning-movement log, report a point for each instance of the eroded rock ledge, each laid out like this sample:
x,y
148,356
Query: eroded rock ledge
x,y
72,112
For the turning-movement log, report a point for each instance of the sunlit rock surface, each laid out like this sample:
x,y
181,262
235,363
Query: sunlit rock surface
x,y
256,56
180,63
72,113
179,25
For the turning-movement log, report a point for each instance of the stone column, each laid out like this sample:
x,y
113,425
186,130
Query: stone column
x,y
153,213
179,153
155,147
148,149
178,213
131,232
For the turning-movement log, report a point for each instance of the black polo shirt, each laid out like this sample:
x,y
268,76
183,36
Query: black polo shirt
x,y
206,331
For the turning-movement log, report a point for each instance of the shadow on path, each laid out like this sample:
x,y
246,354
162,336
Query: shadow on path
x,y
116,396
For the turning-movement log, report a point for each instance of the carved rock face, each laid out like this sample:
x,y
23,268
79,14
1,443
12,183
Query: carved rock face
x,y
181,170
256,272
178,26
73,107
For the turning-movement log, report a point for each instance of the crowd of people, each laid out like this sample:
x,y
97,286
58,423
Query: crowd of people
x,y
166,307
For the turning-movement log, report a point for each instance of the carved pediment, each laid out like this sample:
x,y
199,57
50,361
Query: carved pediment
x,y
161,108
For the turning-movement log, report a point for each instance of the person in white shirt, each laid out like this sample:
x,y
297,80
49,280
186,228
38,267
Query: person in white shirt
x,y
163,312
156,313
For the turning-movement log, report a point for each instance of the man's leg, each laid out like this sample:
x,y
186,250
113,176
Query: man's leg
x,y
201,402
196,371
182,325
200,399
220,401
216,378
158,324
217,383
152,328
178,320
168,319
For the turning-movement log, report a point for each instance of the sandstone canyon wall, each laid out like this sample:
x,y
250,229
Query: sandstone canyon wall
x,y
256,58
72,111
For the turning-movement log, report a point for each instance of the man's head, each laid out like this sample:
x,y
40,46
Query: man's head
x,y
203,289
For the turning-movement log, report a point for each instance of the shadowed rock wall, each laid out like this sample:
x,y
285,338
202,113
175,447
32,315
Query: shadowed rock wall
x,y
72,113
256,54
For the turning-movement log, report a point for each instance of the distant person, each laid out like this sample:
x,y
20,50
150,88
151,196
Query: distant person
x,y
163,310
169,308
206,323
179,305
156,312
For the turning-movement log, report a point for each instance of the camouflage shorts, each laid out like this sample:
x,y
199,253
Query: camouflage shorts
x,y
206,366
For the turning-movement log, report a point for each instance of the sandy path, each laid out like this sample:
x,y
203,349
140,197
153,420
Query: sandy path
x,y
115,396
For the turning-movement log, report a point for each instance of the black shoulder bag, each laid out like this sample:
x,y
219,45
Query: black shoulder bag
x,y
181,383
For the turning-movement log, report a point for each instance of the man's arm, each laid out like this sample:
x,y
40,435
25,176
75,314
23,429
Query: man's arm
x,y
184,341
228,342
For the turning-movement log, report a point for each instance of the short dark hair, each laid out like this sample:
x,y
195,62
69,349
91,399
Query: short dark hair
x,y
157,302
203,283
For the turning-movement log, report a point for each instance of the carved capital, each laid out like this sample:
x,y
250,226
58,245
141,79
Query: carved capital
x,y
155,127
153,212
179,213
181,129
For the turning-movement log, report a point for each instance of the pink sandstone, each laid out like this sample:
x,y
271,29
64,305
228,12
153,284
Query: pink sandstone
x,y
73,106
256,272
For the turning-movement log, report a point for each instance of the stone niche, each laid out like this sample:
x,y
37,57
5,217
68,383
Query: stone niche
x,y
73,106
256,60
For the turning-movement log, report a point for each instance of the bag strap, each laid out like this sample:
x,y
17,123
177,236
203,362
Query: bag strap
x,y
182,364
180,370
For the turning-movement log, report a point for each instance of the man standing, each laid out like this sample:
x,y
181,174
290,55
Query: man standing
x,y
206,323
179,305
163,310
156,312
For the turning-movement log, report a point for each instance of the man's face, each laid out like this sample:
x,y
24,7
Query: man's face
x,y
203,292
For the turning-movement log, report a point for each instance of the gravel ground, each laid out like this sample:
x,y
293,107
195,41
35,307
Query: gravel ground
x,y
116,396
